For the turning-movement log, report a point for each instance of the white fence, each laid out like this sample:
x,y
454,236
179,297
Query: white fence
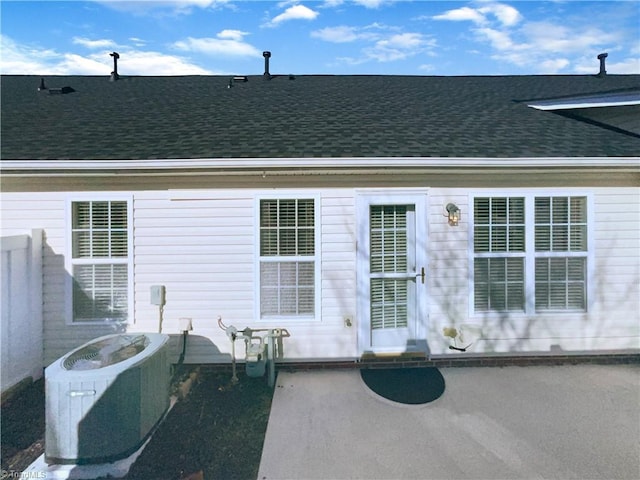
x,y
22,343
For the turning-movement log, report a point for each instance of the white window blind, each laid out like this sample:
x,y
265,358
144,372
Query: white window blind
x,y
499,284
388,254
287,257
499,246
100,263
560,283
499,225
561,224
561,248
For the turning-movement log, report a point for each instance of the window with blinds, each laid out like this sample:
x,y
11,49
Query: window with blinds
x,y
499,247
287,257
561,249
100,260
556,255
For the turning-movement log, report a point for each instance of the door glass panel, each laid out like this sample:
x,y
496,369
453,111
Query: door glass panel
x,y
388,303
388,238
389,255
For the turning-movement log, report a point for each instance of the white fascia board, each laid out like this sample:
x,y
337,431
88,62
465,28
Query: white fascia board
x,y
617,100
222,165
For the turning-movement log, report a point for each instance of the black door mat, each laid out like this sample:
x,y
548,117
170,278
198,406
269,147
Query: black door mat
x,y
412,386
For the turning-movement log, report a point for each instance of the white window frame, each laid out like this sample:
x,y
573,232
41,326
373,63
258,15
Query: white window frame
x,y
530,254
69,261
316,258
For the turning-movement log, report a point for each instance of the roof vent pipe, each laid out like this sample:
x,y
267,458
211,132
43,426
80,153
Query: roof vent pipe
x,y
266,55
603,70
114,74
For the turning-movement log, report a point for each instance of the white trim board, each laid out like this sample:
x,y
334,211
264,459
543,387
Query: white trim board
x,y
590,101
115,167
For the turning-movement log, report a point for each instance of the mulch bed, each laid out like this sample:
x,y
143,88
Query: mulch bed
x,y
22,432
216,432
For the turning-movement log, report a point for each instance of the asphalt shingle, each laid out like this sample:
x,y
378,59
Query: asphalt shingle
x,y
311,116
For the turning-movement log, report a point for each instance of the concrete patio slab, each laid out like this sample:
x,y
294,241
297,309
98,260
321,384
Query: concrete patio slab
x,y
569,422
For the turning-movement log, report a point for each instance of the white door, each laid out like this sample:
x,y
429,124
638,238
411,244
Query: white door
x,y
391,273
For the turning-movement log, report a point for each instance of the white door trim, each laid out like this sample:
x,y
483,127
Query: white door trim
x,y
390,197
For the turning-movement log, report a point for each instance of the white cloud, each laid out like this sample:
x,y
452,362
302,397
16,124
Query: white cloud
x,y
626,66
74,64
553,65
462,14
228,43
539,46
561,38
138,42
157,63
22,59
385,43
426,67
381,27
545,47
236,35
351,60
590,65
370,3
344,33
398,47
505,14
538,65
404,41
295,12
175,7
500,40
94,44
340,34
332,3
286,3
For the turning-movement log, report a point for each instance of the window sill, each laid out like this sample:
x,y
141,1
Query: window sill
x,y
523,315
294,320
99,323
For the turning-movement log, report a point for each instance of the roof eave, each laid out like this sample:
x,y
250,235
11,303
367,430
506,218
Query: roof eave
x,y
239,165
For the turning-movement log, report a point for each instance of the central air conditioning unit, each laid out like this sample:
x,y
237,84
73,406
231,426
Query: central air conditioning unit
x,y
104,398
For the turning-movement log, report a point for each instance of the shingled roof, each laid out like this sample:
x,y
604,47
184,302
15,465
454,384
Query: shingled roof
x,y
309,116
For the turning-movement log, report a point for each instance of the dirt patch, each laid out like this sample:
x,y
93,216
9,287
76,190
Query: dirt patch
x,y
218,430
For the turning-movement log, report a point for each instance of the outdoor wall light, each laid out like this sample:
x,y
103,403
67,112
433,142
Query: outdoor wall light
x,y
454,214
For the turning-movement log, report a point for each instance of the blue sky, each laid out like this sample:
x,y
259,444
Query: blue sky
x,y
387,37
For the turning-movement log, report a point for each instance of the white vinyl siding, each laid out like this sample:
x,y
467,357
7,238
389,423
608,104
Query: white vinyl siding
x,y
556,252
201,244
287,257
100,262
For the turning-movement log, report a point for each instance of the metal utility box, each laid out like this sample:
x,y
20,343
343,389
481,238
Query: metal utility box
x,y
256,359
